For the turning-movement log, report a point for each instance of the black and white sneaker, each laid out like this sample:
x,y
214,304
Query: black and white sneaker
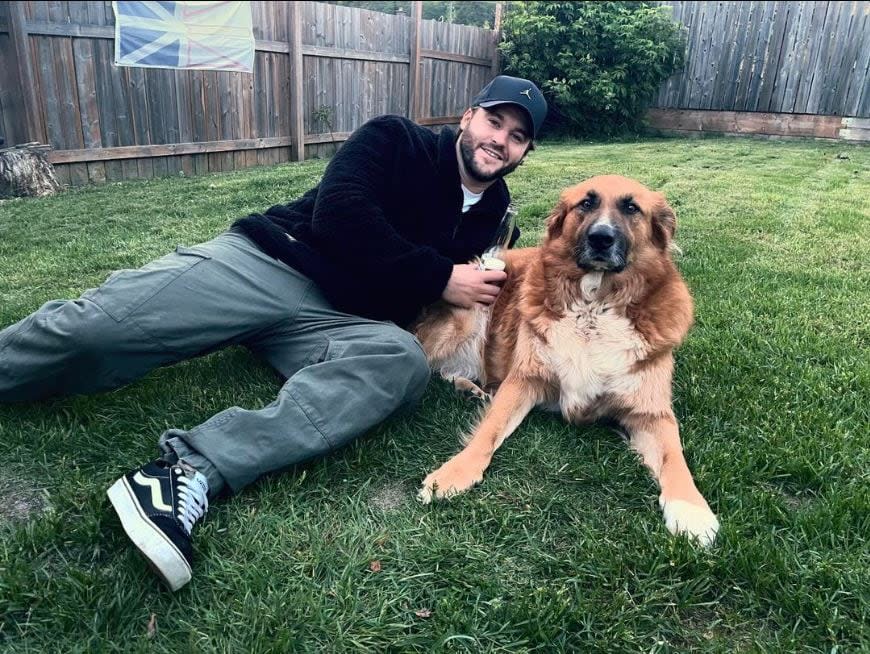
x,y
158,505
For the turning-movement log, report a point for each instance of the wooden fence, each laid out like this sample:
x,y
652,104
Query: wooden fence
x,y
321,70
787,68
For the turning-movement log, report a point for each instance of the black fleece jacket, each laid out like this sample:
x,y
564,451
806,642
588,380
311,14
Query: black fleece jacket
x,y
380,234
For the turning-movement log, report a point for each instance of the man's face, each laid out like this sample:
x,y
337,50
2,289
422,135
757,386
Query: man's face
x,y
493,141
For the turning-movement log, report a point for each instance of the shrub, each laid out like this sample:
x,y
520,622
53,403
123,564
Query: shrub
x,y
598,63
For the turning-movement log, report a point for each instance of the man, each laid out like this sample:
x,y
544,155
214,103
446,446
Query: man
x,y
320,288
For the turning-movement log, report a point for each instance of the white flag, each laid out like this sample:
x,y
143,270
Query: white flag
x,y
211,35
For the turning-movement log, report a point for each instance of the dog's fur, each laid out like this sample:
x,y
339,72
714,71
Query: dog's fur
x,y
585,324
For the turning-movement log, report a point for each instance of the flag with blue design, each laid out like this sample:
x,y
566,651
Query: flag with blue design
x,y
204,35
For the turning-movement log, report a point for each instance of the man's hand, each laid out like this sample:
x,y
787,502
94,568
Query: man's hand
x,y
468,285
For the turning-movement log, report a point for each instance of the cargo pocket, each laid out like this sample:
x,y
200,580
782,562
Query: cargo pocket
x,y
127,290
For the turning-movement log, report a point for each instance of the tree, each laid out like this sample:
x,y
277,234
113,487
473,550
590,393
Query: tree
x,y
598,63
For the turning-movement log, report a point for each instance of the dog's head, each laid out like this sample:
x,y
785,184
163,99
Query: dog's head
x,y
607,222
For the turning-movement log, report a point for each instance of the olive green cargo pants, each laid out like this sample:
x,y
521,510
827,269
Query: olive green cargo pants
x,y
344,374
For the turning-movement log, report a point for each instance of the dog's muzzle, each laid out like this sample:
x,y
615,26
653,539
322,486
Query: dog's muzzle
x,y
604,247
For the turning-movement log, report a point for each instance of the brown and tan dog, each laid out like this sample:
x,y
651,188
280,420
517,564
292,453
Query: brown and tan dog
x,y
585,324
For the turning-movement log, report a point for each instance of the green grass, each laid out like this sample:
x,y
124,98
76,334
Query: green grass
x,y
562,548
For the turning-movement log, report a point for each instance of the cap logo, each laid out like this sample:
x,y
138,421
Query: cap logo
x,y
527,93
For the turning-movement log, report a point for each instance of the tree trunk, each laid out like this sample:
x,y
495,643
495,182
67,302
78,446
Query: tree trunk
x,y
24,171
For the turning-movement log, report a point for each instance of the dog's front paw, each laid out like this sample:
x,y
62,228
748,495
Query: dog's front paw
x,y
699,522
454,477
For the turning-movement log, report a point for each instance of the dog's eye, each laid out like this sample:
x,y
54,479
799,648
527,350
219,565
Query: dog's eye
x,y
631,207
586,203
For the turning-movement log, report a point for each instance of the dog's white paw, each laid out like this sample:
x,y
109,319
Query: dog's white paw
x,y
431,491
682,517
426,494
454,477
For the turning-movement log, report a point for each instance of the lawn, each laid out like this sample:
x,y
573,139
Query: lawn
x,y
562,547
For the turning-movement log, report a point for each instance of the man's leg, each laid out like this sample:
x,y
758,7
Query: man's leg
x,y
82,346
344,375
179,306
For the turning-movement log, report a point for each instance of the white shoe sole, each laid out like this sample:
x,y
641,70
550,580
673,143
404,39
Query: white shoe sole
x,y
160,552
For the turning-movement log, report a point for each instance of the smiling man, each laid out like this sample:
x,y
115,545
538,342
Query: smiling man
x,y
493,142
320,288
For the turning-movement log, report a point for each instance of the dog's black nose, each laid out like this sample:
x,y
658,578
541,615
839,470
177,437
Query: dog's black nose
x,y
601,237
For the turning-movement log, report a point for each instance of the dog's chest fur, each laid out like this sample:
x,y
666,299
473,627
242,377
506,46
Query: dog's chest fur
x,y
590,352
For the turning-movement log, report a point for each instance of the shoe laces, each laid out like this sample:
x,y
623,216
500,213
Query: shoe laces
x,y
192,499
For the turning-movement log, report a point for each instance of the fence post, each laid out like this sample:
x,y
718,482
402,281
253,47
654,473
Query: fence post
x,y
297,106
496,34
414,63
34,128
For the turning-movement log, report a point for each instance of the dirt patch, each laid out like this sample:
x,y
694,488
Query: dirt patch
x,y
792,501
389,497
19,500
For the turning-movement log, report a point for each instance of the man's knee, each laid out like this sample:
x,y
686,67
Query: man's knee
x,y
79,326
414,363
67,346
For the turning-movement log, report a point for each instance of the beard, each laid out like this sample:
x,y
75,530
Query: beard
x,y
467,148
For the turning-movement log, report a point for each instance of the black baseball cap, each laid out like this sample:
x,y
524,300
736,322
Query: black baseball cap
x,y
514,90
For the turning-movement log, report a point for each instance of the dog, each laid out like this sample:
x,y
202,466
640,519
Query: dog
x,y
585,324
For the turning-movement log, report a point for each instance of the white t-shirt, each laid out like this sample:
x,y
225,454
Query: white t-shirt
x,y
469,198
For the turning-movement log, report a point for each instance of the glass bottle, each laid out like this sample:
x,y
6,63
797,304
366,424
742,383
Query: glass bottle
x,y
491,259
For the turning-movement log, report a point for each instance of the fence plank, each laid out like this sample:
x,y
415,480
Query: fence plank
x,y
414,109
48,91
815,49
827,38
768,9
494,41
709,48
821,41
13,126
34,119
721,49
167,149
352,53
732,73
96,172
85,77
845,62
169,105
139,117
847,68
62,174
861,104
795,54
64,65
96,12
297,100
691,20
227,118
773,53
120,103
200,164
78,174
452,56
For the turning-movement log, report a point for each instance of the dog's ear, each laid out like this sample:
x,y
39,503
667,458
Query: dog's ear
x,y
664,223
556,219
